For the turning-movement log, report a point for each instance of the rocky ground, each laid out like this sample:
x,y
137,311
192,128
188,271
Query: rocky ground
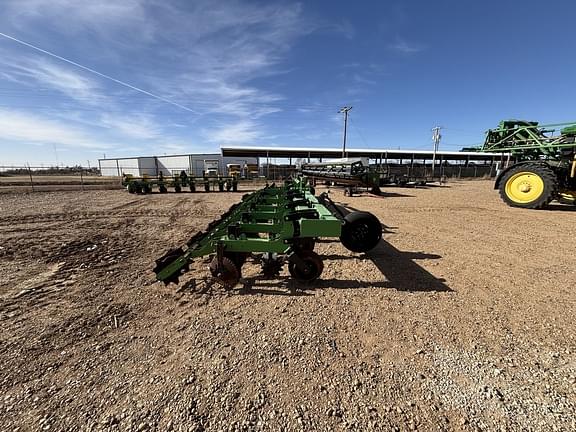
x,y
462,318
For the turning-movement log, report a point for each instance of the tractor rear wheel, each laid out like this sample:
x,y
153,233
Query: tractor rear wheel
x,y
361,231
530,186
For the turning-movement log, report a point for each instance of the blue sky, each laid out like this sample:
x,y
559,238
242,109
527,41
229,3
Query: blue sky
x,y
275,73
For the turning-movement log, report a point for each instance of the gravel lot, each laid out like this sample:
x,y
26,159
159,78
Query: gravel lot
x,y
463,318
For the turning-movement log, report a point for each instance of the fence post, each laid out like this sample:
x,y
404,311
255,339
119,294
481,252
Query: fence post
x,y
81,180
31,181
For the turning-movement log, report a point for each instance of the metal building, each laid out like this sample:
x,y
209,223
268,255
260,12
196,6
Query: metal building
x,y
192,164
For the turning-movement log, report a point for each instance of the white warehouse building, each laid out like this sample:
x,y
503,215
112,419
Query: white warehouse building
x,y
192,164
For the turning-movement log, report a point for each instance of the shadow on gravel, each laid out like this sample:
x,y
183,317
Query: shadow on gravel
x,y
384,194
401,272
561,207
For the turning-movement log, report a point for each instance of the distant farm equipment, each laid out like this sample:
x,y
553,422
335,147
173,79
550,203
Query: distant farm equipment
x,y
146,184
211,167
275,225
355,174
546,169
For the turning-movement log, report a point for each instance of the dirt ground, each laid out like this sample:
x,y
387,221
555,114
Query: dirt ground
x,y
462,318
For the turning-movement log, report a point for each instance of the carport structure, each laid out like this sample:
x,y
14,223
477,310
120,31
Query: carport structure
x,y
475,163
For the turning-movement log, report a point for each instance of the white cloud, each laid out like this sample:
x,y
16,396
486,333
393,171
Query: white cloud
x,y
203,54
227,46
173,147
137,126
405,47
33,129
76,16
49,75
344,27
243,132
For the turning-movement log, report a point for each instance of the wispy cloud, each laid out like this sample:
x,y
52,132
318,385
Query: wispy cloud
x,y
173,147
243,43
75,16
242,132
34,129
46,74
136,126
405,47
344,27
217,57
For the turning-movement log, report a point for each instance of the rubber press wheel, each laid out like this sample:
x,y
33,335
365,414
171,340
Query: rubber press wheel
x,y
226,275
310,270
361,231
529,186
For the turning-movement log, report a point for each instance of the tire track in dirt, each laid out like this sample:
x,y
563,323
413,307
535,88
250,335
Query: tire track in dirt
x,y
197,208
57,217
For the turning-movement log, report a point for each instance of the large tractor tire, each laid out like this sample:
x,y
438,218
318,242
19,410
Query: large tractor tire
x,y
530,186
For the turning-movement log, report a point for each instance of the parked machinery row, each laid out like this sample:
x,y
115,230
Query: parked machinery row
x,y
146,184
354,174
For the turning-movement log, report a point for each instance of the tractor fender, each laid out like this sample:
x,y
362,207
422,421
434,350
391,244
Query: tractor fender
x,y
504,171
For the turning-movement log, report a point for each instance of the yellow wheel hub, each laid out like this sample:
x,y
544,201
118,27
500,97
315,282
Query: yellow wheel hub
x,y
524,187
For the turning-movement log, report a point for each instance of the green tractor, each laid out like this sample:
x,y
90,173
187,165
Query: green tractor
x,y
546,162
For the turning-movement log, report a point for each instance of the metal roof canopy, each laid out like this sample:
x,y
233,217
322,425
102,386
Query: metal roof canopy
x,y
318,152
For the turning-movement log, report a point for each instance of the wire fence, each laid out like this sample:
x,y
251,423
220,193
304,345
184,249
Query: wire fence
x,y
39,178
26,178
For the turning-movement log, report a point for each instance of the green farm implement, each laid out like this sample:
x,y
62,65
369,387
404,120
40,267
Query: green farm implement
x,y
546,167
354,175
276,225
145,184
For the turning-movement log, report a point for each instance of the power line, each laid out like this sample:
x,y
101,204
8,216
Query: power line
x,y
359,133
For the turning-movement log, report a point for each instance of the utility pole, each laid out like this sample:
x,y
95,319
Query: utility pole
x,y
56,155
436,137
345,111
